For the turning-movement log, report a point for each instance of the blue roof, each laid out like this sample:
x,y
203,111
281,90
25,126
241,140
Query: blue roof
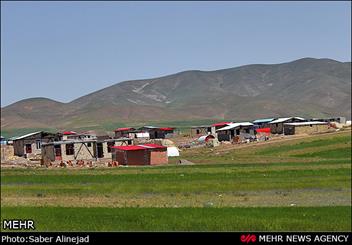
x,y
264,120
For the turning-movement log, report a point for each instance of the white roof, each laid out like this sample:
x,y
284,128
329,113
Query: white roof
x,y
305,123
26,135
235,125
284,119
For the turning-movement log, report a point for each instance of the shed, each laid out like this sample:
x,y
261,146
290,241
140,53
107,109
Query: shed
x,y
147,154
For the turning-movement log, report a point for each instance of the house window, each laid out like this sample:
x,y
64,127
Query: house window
x,y
89,144
28,148
38,144
70,150
109,145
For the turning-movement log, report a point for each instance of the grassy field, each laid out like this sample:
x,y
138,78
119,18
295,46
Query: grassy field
x,y
186,219
298,184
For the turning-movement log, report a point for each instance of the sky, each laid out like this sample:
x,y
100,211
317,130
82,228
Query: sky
x,y
64,50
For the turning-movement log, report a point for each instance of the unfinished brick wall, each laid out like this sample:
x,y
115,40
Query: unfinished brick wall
x,y
320,128
158,157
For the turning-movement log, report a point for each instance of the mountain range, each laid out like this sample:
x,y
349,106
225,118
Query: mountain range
x,y
306,87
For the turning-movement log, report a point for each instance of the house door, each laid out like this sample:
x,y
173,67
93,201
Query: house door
x,y
28,148
100,150
57,149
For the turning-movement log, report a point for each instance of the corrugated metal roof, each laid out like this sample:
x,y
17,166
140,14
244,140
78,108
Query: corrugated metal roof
x,y
166,129
284,119
26,135
151,127
264,120
305,123
221,124
129,147
139,147
124,129
69,132
235,125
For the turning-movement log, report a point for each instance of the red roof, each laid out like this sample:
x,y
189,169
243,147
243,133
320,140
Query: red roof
x,y
129,147
220,124
139,147
123,129
263,130
166,129
69,132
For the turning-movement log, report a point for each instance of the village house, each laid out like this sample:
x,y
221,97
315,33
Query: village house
x,y
87,149
30,145
306,127
236,131
158,132
263,123
125,132
207,129
146,154
277,125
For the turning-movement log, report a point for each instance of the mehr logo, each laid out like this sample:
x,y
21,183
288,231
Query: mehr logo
x,y
248,238
18,224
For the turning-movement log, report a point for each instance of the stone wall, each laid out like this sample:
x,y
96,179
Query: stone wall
x,y
320,128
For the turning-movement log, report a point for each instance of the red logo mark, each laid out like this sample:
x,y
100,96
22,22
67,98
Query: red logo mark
x,y
248,238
